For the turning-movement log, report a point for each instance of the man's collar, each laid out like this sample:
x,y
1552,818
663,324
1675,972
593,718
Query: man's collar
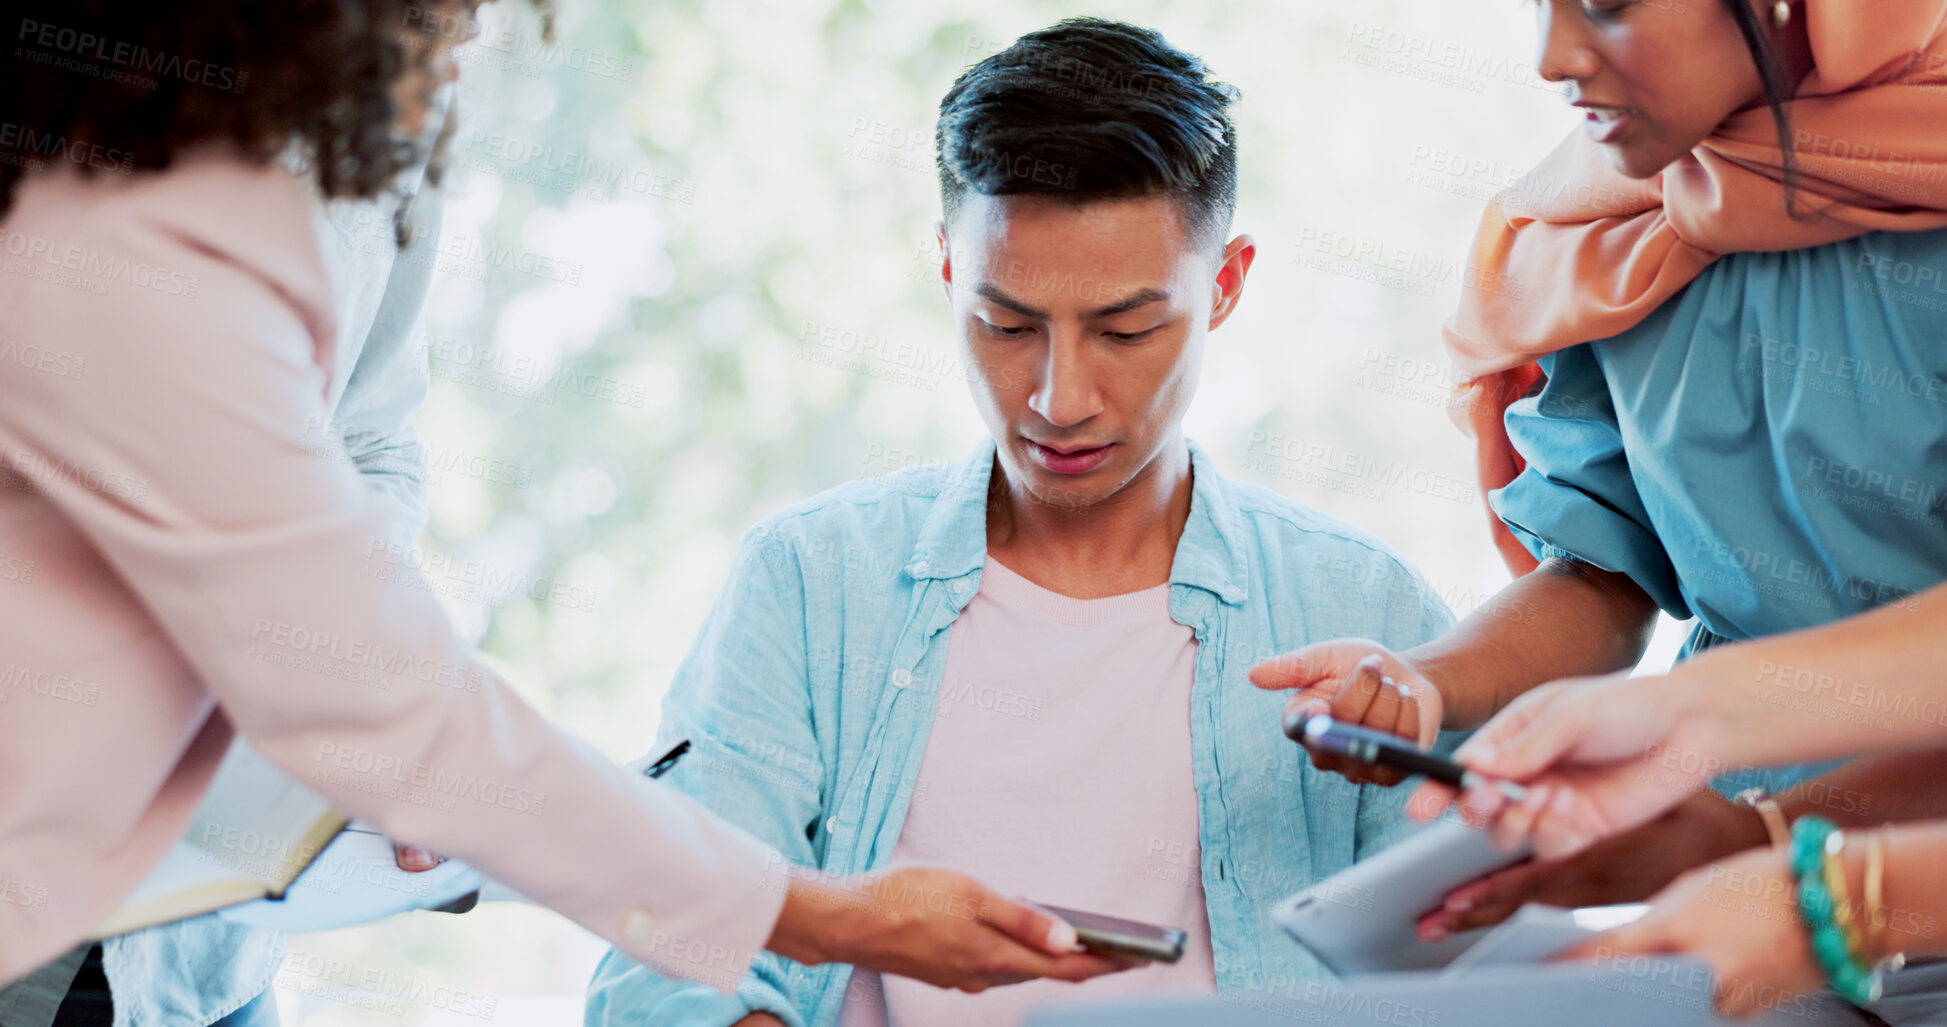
x,y
1210,556
953,541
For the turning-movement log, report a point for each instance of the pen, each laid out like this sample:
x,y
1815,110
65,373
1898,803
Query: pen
x,y
662,766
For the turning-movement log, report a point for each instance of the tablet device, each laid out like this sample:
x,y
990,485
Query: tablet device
x,y
1660,992
1363,919
1537,933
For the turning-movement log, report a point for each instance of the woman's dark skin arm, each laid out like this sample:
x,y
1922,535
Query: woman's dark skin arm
x,y
1874,790
1566,619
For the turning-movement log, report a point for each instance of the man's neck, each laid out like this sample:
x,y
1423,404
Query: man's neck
x,y
1124,544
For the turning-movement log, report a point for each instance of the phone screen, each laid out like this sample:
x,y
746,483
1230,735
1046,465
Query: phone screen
x,y
1110,935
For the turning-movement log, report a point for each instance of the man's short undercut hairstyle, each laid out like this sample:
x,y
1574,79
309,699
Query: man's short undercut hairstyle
x,y
1090,109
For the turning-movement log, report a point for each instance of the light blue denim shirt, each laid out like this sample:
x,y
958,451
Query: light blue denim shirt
x,y
1766,452
810,691
195,972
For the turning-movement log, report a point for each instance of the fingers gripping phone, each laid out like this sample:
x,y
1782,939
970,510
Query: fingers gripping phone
x,y
1364,745
1113,936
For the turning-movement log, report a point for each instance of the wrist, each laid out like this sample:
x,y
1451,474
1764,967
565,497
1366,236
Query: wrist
x,y
1707,707
1754,820
1837,900
1434,663
1698,721
1852,865
817,923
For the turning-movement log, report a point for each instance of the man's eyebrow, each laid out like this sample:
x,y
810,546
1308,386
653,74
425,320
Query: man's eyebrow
x,y
994,295
1141,298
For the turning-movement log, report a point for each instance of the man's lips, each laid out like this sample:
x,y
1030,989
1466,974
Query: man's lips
x,y
1069,458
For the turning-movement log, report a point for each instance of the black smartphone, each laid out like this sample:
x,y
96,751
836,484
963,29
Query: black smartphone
x,y
1114,936
1364,745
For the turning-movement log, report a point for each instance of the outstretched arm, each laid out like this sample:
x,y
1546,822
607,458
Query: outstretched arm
x,y
1566,619
1872,683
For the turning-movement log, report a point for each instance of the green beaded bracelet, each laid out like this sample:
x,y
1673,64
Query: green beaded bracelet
x,y
1808,844
1849,977
1815,901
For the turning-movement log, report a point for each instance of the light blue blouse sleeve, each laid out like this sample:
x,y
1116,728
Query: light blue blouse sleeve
x,y
388,383
1576,499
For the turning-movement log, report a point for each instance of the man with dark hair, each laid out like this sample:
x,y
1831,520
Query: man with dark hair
x,y
1092,110
1032,663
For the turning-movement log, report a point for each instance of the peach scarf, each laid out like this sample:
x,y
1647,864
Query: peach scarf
x,y
1594,252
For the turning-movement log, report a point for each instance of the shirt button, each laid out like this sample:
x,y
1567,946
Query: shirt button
x,y
831,825
902,678
638,925
920,566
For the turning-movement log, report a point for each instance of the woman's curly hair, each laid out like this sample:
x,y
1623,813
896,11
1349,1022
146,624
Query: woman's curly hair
x,y
125,86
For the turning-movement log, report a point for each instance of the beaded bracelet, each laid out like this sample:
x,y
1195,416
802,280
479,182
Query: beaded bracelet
x,y
1815,851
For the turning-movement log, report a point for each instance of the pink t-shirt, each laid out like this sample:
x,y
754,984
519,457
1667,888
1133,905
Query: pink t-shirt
x,y
1058,770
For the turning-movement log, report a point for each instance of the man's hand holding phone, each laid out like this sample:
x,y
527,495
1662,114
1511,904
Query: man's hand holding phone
x,y
932,925
1123,939
1360,682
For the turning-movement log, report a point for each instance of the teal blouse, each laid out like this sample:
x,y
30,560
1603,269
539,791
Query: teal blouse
x,y
1766,452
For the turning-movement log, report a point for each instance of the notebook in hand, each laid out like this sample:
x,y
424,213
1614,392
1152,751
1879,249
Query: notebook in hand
x,y
255,831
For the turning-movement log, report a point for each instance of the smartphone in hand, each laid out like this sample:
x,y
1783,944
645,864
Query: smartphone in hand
x,y
1364,745
1113,936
